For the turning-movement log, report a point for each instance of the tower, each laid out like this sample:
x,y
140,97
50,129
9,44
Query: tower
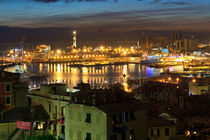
x,y
74,39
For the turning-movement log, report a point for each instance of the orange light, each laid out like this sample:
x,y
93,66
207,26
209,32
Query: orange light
x,y
177,79
194,80
187,133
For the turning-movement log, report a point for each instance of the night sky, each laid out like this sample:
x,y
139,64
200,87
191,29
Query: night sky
x,y
107,15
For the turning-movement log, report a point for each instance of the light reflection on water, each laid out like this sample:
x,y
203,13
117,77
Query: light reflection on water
x,y
62,73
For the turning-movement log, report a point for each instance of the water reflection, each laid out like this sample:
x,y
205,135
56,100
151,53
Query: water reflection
x,y
95,76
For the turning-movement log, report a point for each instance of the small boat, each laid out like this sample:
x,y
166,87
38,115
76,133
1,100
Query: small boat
x,y
33,75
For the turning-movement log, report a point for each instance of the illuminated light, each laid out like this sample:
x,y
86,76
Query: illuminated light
x,y
177,79
187,133
169,78
58,51
194,80
74,32
124,53
40,126
11,52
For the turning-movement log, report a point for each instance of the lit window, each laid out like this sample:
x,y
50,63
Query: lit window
x,y
40,126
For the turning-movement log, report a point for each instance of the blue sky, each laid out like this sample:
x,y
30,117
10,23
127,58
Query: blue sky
x,y
118,15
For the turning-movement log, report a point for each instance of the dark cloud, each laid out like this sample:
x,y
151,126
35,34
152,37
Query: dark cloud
x,y
68,1
46,1
175,3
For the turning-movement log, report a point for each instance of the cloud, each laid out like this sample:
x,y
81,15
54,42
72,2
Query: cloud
x,y
46,1
68,1
175,3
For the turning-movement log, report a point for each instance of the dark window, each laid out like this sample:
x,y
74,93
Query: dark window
x,y
54,128
114,119
125,117
123,136
63,129
88,118
62,111
166,131
120,118
88,136
151,132
8,88
53,90
158,132
7,100
117,129
114,137
49,107
132,116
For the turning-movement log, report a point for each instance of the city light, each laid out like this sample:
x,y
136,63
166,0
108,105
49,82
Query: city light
x,y
58,51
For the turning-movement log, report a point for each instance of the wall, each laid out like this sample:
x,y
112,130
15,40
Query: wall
x,y
76,127
172,132
139,125
6,129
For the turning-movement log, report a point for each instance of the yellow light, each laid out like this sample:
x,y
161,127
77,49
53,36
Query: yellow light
x,y
194,80
74,32
169,78
11,52
124,53
40,126
58,51
177,79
